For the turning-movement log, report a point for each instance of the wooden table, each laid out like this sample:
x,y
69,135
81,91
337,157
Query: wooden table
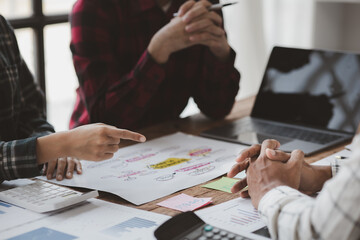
x,y
195,125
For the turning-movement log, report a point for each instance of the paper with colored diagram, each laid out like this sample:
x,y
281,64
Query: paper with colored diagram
x,y
147,171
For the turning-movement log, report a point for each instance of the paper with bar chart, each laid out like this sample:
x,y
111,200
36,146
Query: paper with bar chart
x,y
237,216
95,219
147,171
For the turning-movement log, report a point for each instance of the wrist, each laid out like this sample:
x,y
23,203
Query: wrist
x,y
159,50
321,175
264,190
66,144
222,54
50,147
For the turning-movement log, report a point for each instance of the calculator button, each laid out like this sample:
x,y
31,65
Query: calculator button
x,y
209,234
231,236
202,238
238,238
216,230
208,228
223,233
216,237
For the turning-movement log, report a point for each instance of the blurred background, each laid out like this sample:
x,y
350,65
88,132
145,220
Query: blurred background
x,y
253,28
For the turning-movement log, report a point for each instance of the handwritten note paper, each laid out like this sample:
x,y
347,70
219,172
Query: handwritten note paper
x,y
224,184
144,172
183,202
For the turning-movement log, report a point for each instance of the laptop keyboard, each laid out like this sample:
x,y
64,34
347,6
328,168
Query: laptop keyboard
x,y
289,132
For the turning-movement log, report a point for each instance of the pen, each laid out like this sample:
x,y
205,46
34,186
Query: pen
x,y
341,157
215,7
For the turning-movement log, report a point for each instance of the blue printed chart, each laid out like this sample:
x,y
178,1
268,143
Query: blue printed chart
x,y
94,219
3,205
44,234
12,216
130,226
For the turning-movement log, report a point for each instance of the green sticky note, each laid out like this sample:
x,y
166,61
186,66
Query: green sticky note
x,y
224,184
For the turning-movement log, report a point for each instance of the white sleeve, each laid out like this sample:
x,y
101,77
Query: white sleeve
x,y
333,214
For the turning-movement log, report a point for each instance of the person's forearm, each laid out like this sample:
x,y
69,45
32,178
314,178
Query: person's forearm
x,y
219,83
289,214
51,147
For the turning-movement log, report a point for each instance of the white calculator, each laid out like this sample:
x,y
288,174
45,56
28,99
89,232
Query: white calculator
x,y
44,197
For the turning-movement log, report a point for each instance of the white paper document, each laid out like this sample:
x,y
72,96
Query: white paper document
x,y
238,216
12,216
95,219
341,156
144,172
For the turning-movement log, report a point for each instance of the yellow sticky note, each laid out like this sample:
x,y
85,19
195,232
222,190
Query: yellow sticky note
x,y
224,184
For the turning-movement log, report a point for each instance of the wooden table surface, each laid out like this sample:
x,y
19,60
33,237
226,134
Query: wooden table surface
x,y
195,125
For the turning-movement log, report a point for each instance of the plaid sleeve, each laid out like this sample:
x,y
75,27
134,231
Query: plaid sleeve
x,y
333,214
218,85
32,117
103,86
22,111
18,159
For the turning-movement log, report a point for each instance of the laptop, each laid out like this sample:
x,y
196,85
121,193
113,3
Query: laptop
x,y
308,100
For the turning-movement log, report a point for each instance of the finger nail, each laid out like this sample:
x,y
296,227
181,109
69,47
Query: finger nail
x,y
142,139
69,174
271,151
48,176
59,176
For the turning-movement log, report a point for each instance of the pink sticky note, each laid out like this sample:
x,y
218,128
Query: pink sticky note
x,y
183,202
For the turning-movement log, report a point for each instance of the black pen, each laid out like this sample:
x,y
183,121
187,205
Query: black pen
x,y
215,7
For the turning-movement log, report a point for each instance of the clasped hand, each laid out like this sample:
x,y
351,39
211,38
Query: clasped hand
x,y
195,24
266,168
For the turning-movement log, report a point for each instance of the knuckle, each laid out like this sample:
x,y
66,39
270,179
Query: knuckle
x,y
101,130
100,141
298,152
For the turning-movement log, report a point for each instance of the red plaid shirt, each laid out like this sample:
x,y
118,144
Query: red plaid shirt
x,y
121,84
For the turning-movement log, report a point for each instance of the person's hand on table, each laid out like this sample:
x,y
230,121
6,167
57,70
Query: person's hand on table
x,y
62,168
195,24
312,177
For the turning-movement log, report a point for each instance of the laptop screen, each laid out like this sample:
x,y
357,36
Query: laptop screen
x,y
311,88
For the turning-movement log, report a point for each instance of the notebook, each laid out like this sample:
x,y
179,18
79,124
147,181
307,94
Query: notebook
x,y
308,100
